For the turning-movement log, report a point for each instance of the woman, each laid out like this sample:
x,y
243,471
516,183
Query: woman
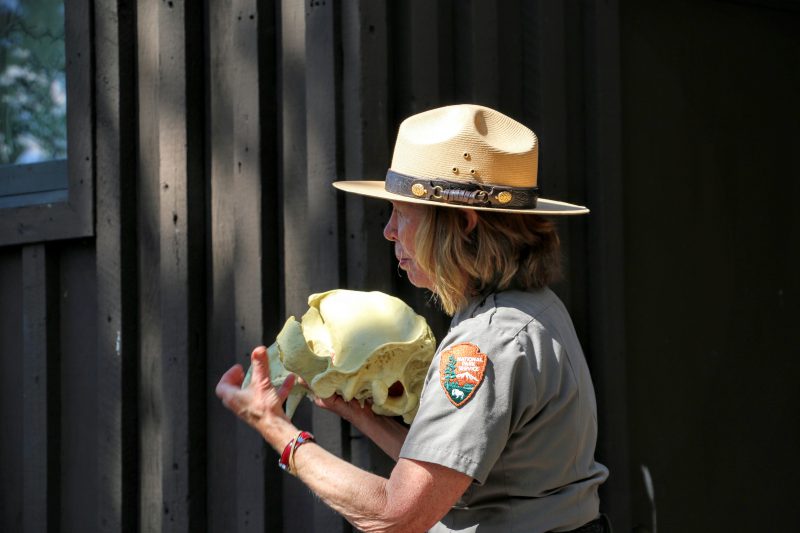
x,y
505,434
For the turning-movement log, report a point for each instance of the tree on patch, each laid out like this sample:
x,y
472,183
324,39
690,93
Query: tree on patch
x,y
450,372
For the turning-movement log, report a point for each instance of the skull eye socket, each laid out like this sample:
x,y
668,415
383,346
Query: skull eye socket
x,y
396,389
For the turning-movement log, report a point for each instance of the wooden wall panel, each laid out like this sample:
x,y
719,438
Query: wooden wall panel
x,y
712,271
510,58
367,132
224,486
11,389
180,125
77,308
171,196
423,70
483,64
310,105
149,257
256,501
294,154
244,490
116,289
322,226
271,260
298,503
605,249
40,382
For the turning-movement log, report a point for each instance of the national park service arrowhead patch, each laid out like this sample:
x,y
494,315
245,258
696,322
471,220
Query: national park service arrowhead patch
x,y
461,370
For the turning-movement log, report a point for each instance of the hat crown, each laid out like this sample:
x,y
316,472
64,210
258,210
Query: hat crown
x,y
467,142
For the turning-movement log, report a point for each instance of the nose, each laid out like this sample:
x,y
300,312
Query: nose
x,y
390,230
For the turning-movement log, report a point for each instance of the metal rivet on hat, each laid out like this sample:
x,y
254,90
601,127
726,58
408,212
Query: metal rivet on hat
x,y
455,170
466,156
418,190
504,197
472,171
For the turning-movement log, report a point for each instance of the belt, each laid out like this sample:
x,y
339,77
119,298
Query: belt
x,y
598,525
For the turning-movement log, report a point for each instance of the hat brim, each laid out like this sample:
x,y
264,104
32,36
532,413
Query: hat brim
x,y
375,189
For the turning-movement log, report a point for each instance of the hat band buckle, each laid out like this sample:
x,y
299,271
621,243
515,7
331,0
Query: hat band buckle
x,y
459,192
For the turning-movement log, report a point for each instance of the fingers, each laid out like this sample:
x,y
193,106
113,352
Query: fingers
x,y
229,387
233,376
325,403
337,404
349,410
286,387
260,363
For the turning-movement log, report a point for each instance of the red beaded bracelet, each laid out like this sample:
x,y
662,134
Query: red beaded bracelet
x,y
286,462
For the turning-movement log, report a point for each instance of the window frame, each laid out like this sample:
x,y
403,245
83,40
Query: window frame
x,y
74,217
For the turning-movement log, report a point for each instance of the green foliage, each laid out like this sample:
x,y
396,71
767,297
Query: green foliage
x,y
32,81
450,372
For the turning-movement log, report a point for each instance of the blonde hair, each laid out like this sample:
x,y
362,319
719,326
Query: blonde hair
x,y
503,251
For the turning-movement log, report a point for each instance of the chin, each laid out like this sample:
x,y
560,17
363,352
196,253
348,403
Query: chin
x,y
420,283
417,278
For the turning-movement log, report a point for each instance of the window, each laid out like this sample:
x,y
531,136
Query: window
x,y
45,120
33,103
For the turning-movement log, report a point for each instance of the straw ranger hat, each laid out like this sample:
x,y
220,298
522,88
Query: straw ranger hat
x,y
464,156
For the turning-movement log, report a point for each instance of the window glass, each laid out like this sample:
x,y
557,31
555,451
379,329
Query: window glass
x,y
33,95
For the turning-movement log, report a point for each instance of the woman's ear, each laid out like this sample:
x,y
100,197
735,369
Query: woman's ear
x,y
471,218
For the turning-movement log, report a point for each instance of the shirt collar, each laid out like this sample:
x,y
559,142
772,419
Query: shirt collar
x,y
473,308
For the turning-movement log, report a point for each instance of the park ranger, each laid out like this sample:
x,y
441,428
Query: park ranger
x,y
505,433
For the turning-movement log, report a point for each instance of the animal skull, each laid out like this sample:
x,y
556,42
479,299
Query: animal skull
x,y
362,345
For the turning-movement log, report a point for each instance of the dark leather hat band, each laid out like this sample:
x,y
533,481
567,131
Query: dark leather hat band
x,y
461,192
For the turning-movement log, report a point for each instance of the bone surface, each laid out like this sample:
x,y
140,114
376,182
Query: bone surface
x,y
359,345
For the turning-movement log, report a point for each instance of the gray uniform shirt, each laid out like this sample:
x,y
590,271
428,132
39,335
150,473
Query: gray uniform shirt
x,y
527,432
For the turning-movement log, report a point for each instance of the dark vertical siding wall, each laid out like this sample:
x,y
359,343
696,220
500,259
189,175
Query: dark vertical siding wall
x,y
47,375
711,124
243,250
219,129
11,388
79,379
115,488
40,388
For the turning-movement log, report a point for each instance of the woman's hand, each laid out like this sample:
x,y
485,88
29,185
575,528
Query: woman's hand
x,y
351,411
384,431
260,404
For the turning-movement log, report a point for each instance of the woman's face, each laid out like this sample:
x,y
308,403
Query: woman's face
x,y
402,229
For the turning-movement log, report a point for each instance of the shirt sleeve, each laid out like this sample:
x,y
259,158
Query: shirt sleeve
x,y
461,427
